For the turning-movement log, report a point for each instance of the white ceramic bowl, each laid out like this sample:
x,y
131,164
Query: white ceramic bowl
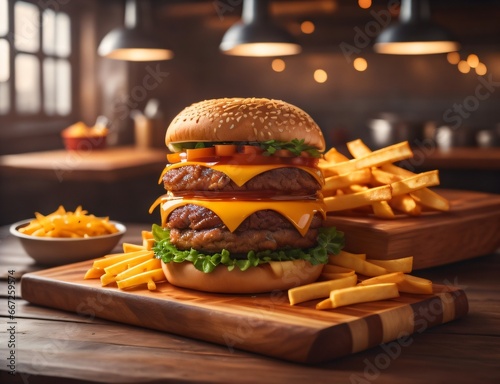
x,y
58,251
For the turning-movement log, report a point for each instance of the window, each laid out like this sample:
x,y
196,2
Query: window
x,y
35,60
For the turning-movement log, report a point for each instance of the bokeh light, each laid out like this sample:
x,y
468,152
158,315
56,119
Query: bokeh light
x,y
320,76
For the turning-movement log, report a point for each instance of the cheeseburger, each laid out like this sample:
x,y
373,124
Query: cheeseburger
x,y
243,211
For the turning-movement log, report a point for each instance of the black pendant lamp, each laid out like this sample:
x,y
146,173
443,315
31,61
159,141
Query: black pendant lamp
x,y
136,41
256,35
415,34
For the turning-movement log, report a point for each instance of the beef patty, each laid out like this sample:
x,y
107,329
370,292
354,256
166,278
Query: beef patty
x,y
192,226
289,181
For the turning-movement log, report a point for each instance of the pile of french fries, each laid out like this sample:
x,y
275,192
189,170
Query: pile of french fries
x,y
350,278
136,266
370,181
63,223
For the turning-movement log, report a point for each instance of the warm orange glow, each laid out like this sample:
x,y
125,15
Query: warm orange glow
x,y
360,64
262,49
278,65
463,67
481,69
365,4
473,60
307,27
320,76
453,57
416,47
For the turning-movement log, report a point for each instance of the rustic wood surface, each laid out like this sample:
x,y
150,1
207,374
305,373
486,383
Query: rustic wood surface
x,y
471,228
55,346
264,323
110,164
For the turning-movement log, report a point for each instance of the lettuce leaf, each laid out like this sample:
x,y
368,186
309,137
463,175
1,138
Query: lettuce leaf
x,y
330,241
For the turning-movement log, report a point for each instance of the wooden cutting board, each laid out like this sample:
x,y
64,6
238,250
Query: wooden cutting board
x,y
471,228
264,323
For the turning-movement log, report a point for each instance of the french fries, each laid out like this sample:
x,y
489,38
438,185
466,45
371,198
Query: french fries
x,y
346,280
62,223
363,267
370,182
320,289
136,266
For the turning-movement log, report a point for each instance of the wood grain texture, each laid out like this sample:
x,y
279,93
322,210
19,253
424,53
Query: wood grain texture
x,y
471,228
264,323
110,164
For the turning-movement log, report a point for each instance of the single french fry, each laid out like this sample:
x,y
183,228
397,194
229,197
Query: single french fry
x,y
431,199
334,156
376,158
414,284
151,285
107,278
319,290
155,275
111,259
360,266
93,273
379,177
333,183
406,204
358,199
331,268
357,148
361,256
324,304
363,294
324,276
393,277
403,264
146,235
383,209
413,183
148,244
128,247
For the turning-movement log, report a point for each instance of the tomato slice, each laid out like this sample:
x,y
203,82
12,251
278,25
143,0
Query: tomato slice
x,y
251,150
200,153
283,153
175,157
225,149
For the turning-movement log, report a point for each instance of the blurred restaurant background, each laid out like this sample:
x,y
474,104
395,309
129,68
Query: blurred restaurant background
x,y
55,73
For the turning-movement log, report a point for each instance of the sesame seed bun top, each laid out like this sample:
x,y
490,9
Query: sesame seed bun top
x,y
243,120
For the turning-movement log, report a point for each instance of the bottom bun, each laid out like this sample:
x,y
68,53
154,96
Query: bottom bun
x,y
264,278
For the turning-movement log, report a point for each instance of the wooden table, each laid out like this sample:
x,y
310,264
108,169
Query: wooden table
x,y
52,346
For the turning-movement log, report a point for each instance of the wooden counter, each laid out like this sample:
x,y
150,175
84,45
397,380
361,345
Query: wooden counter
x,y
456,158
53,346
108,165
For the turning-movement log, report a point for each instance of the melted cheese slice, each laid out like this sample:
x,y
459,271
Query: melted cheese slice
x,y
233,212
240,174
